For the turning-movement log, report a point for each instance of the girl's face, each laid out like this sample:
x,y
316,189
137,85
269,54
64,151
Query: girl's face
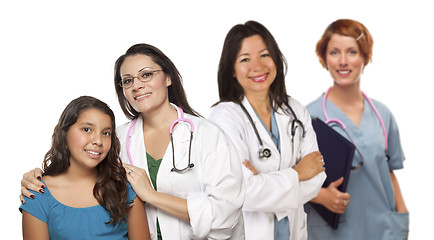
x,y
254,68
145,96
89,138
344,61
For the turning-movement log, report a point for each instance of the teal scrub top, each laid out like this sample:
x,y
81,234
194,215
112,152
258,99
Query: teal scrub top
x,y
371,212
66,222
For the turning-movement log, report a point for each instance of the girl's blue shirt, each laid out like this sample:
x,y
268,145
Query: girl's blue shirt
x,y
66,222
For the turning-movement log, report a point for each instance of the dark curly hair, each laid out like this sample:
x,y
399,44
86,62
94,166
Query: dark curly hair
x,y
111,187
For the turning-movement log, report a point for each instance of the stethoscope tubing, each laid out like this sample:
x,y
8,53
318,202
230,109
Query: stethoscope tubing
x,y
265,153
171,129
253,125
327,120
130,130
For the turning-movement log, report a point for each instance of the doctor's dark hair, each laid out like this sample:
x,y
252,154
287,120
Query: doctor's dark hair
x,y
348,28
111,186
229,88
176,91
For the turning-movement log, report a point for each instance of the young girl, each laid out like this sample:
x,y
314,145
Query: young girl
x,y
87,195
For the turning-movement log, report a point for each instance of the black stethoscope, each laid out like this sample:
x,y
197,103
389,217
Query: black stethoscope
x,y
172,127
265,153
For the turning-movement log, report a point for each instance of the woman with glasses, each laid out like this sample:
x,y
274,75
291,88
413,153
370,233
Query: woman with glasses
x,y
373,207
181,165
271,131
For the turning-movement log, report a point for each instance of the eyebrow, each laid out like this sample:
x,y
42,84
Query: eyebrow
x,y
91,124
247,54
337,48
108,128
142,69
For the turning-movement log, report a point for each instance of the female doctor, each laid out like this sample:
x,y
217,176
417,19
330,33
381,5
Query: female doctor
x,y
195,188
271,131
373,207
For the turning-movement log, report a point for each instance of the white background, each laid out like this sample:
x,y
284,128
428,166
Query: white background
x,y
54,51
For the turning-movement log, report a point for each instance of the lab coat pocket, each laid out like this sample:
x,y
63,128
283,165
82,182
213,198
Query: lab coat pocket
x,y
400,225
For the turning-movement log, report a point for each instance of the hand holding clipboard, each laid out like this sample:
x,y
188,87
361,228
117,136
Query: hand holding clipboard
x,y
335,200
338,155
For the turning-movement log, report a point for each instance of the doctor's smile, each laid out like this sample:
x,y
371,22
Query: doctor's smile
x,y
260,78
142,96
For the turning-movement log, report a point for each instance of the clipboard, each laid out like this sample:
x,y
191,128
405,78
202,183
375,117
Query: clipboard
x,y
338,153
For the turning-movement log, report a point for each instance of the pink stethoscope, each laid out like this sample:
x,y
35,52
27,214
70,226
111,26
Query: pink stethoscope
x,y
334,120
172,127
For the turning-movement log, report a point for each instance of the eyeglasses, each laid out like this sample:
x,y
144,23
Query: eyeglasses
x,y
143,76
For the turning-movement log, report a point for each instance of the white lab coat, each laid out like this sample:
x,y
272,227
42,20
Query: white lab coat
x,y
214,188
276,189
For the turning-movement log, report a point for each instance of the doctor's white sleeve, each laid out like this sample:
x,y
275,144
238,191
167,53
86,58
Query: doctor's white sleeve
x,y
215,212
308,189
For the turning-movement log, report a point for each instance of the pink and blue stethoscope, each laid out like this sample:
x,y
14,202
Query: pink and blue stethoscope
x,y
337,121
172,127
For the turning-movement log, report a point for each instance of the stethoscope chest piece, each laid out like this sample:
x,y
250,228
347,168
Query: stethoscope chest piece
x,y
264,153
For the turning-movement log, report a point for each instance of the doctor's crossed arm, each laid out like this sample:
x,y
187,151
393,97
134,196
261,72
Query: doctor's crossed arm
x,y
308,167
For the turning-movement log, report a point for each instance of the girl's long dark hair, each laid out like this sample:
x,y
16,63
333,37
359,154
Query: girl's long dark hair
x,y
229,88
176,91
111,187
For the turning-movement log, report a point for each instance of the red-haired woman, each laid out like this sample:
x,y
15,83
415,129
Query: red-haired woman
x,y
376,209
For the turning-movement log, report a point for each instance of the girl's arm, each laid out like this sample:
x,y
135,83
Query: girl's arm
x,y
34,228
399,199
139,180
137,221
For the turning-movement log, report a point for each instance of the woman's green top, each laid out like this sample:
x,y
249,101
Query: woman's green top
x,y
153,166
